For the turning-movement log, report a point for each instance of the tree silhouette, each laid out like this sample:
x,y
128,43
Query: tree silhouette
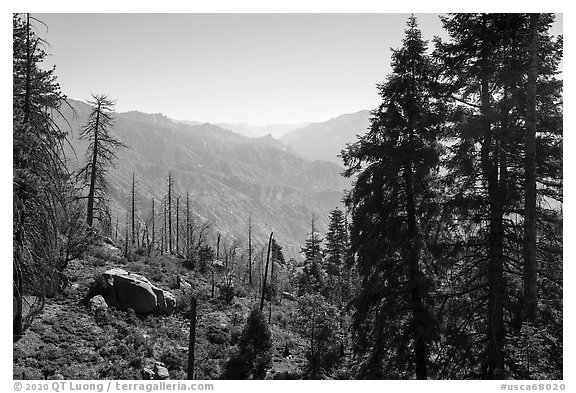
x,y
47,218
396,162
101,153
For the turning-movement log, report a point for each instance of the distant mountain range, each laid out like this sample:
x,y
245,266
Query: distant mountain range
x,y
325,140
251,131
314,141
275,130
229,176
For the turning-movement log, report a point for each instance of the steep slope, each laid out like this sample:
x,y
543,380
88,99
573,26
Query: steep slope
x,y
324,141
229,176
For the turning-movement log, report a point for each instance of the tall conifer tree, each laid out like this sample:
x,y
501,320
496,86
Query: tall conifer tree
x,y
395,163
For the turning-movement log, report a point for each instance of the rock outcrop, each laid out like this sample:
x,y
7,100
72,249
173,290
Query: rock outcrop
x,y
158,372
125,290
98,303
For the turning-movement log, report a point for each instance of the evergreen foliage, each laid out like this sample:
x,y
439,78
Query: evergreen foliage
x,y
484,73
336,255
254,356
312,278
47,232
392,201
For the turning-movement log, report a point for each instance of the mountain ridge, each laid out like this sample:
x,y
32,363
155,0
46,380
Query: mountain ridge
x,y
229,176
325,140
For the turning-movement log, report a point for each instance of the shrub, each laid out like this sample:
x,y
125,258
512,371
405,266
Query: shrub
x,y
235,335
217,351
135,267
217,335
317,321
237,318
241,292
136,362
208,369
189,263
98,262
255,349
136,340
102,317
172,359
155,274
288,375
236,367
182,301
173,332
227,293
281,319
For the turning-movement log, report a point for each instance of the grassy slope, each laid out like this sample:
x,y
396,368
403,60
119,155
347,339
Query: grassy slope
x,y
73,342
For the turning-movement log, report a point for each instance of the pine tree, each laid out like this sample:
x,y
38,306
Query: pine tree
x,y
255,350
485,67
312,280
336,251
313,249
101,153
396,162
529,249
47,232
336,241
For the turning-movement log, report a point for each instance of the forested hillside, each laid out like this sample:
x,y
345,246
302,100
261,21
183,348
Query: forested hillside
x,y
149,248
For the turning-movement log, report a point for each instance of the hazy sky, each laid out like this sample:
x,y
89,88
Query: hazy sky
x,y
254,68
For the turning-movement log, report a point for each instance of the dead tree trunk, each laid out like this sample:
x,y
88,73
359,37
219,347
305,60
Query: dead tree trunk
x,y
177,225
272,288
266,272
164,229
93,175
170,212
126,238
153,227
187,225
250,251
133,207
192,341
214,266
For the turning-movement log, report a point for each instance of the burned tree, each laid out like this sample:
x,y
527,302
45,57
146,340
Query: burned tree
x,y
101,153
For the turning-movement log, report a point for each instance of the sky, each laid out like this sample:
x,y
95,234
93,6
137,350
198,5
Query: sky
x,y
253,68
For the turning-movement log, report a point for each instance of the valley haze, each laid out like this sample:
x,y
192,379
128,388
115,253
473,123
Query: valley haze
x,y
229,176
